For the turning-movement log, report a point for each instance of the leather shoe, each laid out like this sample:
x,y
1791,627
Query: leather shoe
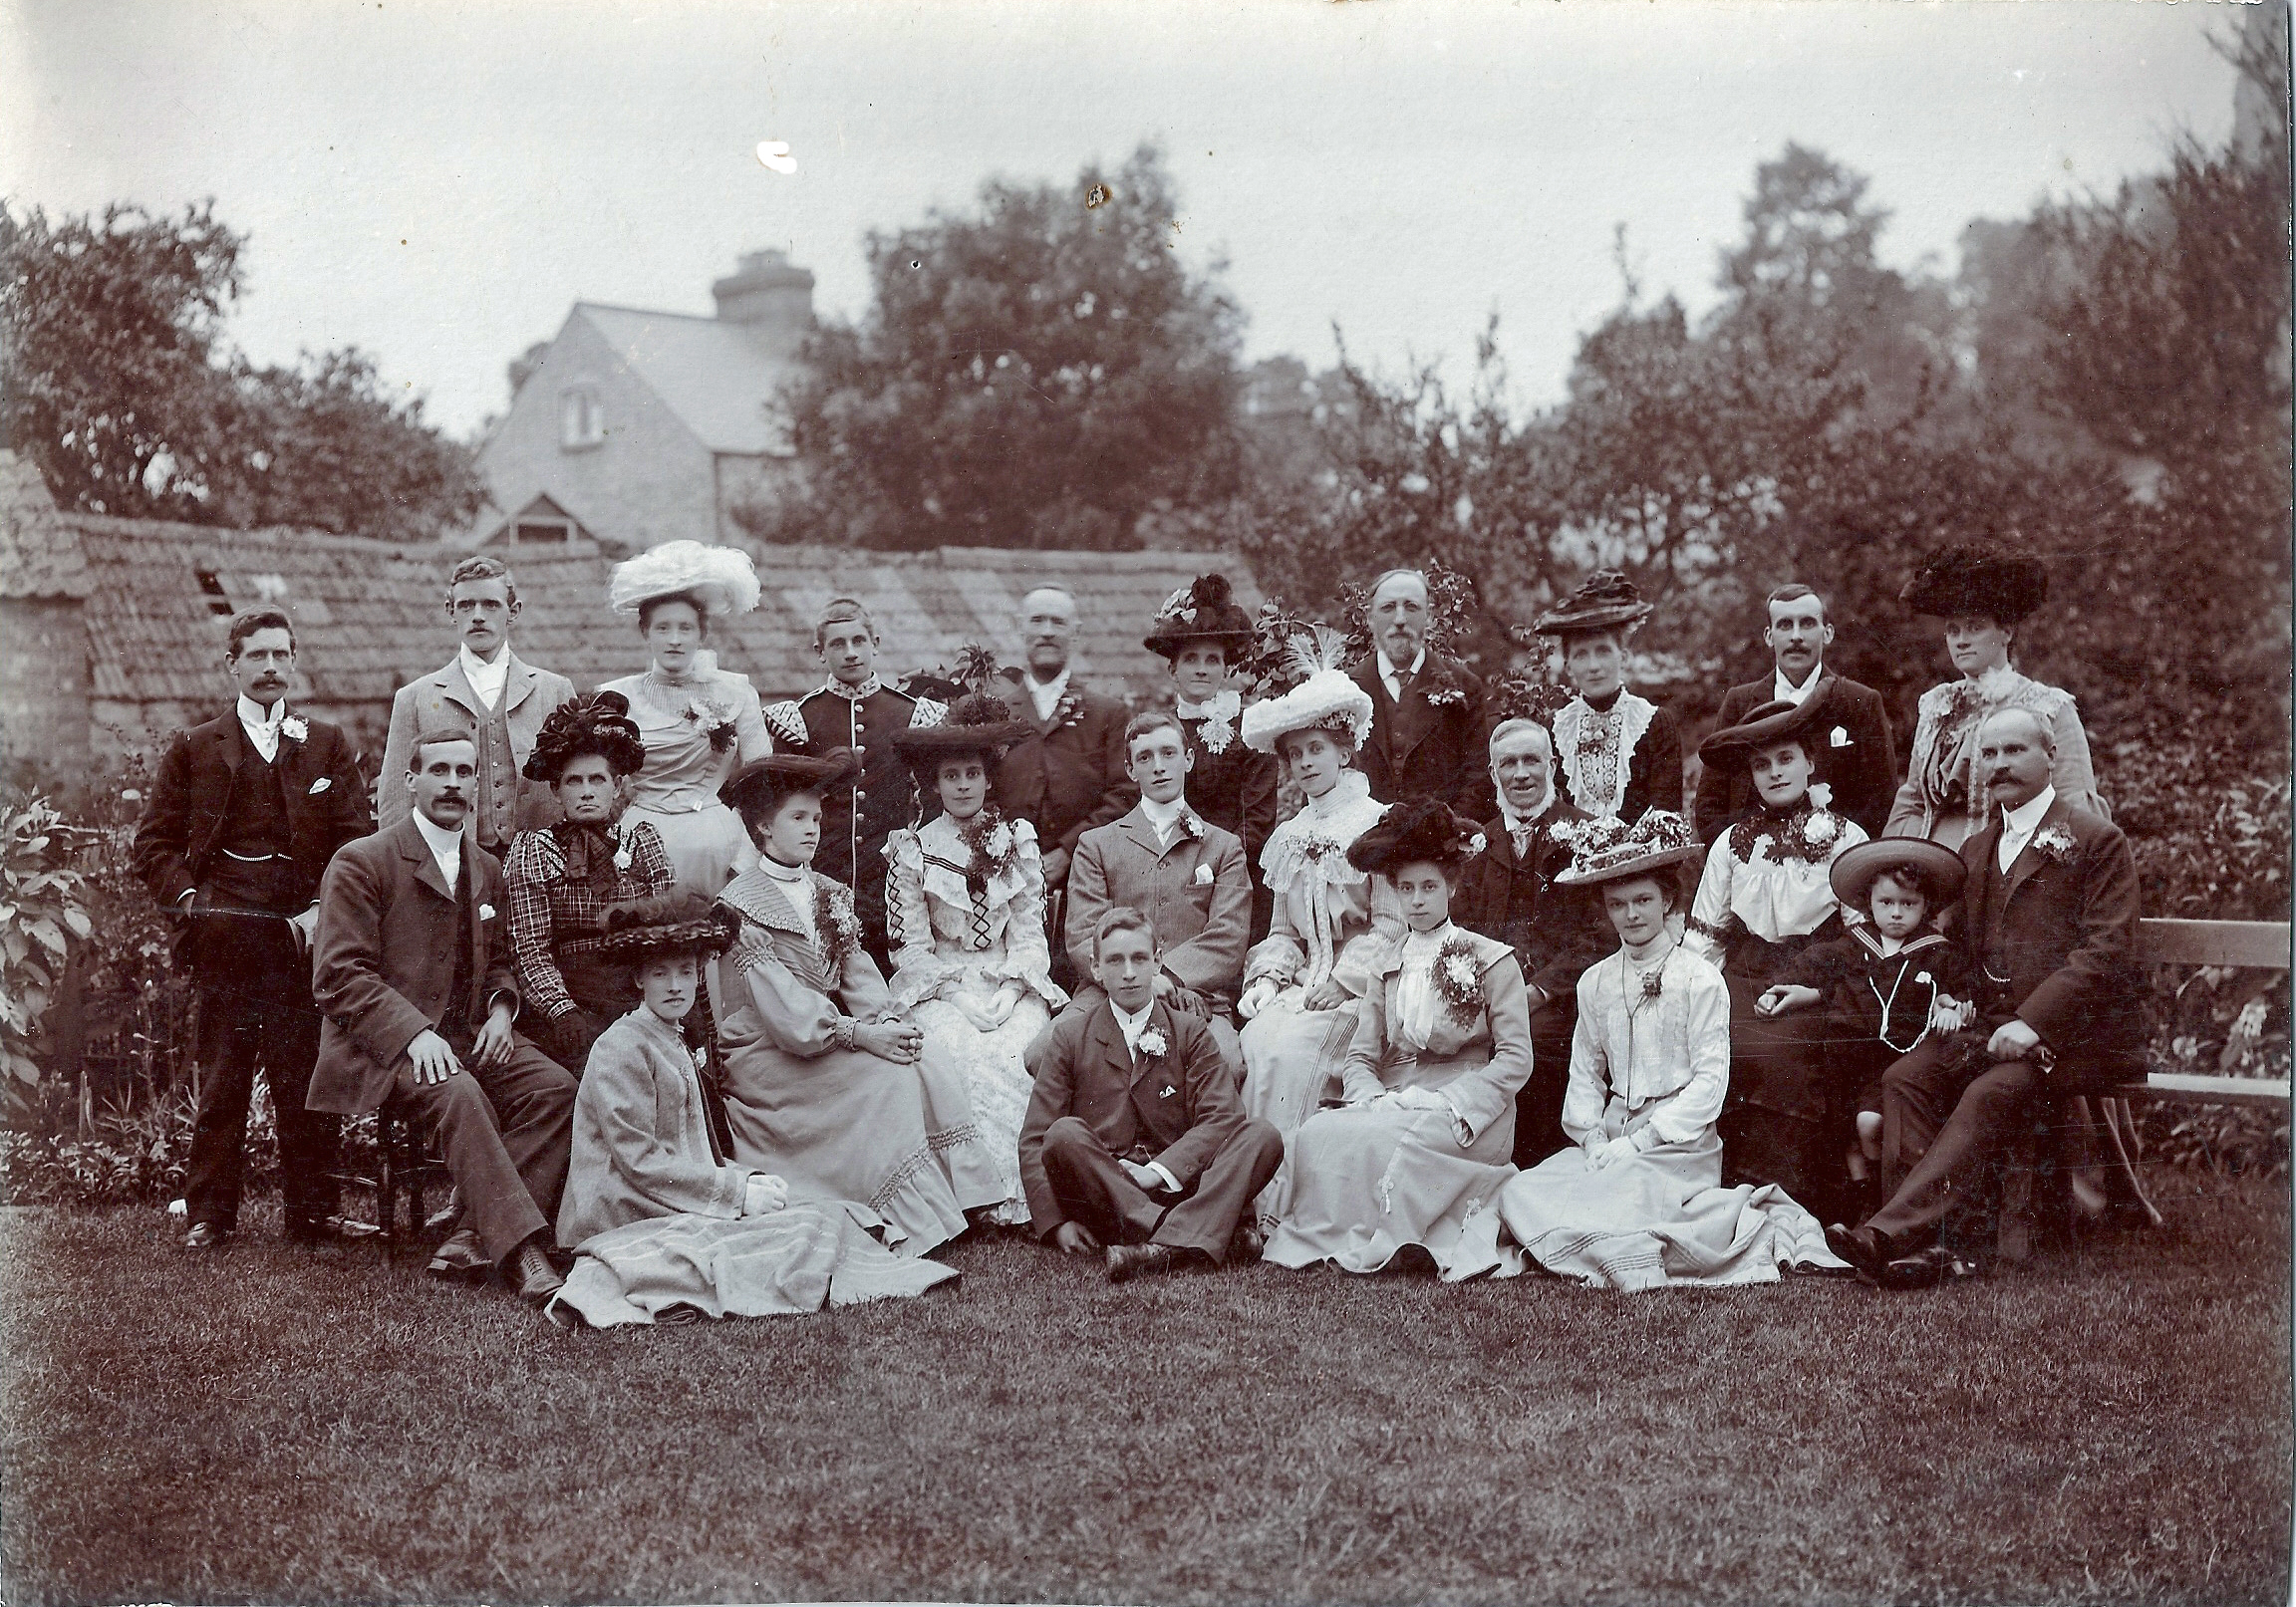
x,y
329,1231
1249,1245
460,1258
1925,1270
531,1275
207,1237
1128,1261
1867,1249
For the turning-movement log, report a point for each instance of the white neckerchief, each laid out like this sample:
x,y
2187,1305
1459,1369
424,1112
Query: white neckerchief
x,y
486,680
2017,825
262,729
1392,679
1783,690
445,848
854,695
1132,1025
1045,695
1165,817
1224,704
1519,827
796,885
1416,1001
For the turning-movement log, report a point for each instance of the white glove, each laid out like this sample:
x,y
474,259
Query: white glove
x,y
1256,998
1609,1152
765,1193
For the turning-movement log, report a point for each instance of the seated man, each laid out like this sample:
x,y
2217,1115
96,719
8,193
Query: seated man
x,y
411,970
1185,874
2049,916
1508,891
1134,1135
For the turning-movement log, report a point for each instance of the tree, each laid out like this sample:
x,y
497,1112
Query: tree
x,y
116,380
1044,373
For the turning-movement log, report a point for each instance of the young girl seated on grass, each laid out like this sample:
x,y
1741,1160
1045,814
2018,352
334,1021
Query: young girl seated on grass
x,y
1887,986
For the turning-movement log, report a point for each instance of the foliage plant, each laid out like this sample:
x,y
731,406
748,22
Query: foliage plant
x,y
42,912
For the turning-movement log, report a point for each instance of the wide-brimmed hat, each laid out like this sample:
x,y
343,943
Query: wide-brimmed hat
x,y
1328,700
1605,600
695,924
1732,747
1973,578
594,723
976,724
1939,868
1419,829
720,579
1607,848
1202,610
764,782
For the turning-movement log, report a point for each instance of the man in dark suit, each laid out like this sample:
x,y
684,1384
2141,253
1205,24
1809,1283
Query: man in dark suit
x,y
1070,776
1508,891
2049,914
1426,709
1135,1138
1853,752
414,973
244,817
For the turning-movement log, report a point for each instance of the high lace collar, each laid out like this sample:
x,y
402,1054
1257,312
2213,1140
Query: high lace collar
x,y
1352,788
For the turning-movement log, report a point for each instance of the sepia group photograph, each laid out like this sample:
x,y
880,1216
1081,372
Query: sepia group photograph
x,y
1299,801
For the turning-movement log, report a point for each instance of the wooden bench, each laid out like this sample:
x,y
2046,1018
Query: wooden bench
x,y
2261,946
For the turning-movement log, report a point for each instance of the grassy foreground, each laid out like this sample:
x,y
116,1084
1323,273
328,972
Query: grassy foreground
x,y
276,1425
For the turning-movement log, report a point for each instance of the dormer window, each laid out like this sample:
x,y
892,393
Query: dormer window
x,y
581,420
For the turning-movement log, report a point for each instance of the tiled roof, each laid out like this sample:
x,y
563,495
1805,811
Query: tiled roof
x,y
38,555
722,379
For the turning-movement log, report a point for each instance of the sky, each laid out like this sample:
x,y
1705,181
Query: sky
x,y
437,181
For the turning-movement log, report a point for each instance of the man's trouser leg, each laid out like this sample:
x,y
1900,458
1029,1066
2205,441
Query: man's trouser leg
x,y
1943,1125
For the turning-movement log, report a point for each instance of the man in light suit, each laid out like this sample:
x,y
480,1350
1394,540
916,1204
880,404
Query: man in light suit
x,y
1185,874
414,974
1857,756
244,814
1426,709
2049,914
492,693
1135,1138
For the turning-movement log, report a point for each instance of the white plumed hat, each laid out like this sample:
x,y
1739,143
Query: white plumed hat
x,y
720,578
1326,699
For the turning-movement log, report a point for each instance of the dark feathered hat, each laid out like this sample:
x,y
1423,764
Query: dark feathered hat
x,y
1204,610
1976,578
1607,600
976,724
1732,747
595,722
1418,829
763,784
692,923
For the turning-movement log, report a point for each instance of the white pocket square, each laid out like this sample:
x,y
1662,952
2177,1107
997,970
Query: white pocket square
x,y
486,912
1841,738
322,784
1167,1091
1203,876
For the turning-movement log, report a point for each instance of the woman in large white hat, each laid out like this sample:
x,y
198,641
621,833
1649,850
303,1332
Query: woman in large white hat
x,y
700,723
1302,981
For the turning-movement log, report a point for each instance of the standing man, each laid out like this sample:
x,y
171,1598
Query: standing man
x,y
1508,891
414,973
1070,776
1426,709
854,709
2049,913
242,819
1857,756
488,691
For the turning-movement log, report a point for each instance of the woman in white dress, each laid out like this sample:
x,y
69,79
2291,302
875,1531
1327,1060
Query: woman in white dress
x,y
700,723
1330,919
1637,1203
1984,597
965,902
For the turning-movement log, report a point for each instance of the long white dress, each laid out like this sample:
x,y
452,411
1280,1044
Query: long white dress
x,y
677,791
1333,922
957,943
1650,1061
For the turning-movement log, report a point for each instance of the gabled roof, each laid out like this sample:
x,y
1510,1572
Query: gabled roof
x,y
724,381
38,555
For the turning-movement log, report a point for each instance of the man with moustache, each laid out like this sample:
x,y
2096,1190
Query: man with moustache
x,y
244,814
854,709
1070,776
491,693
412,970
1852,752
2049,914
1508,891
1426,709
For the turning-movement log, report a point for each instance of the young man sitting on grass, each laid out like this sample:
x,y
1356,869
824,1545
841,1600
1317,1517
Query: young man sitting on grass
x,y
1135,1138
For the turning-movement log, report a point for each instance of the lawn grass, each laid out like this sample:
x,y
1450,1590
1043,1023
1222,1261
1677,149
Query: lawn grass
x,y
281,1424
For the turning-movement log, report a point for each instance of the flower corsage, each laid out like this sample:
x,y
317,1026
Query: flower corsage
x,y
1809,835
1219,727
1151,1043
714,720
1442,689
1458,980
840,929
994,845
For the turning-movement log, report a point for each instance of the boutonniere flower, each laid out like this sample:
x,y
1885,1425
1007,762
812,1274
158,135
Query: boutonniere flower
x,y
1151,1043
294,727
621,849
1821,829
1069,709
2056,843
486,912
1477,842
1443,688
1458,978
1191,830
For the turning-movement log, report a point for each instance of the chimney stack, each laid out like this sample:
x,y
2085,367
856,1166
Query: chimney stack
x,y
767,294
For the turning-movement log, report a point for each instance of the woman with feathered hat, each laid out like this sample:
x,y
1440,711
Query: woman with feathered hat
x,y
828,1084
1442,1045
1984,593
666,1224
1302,981
972,966
567,879
700,723
1619,754
1637,1203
